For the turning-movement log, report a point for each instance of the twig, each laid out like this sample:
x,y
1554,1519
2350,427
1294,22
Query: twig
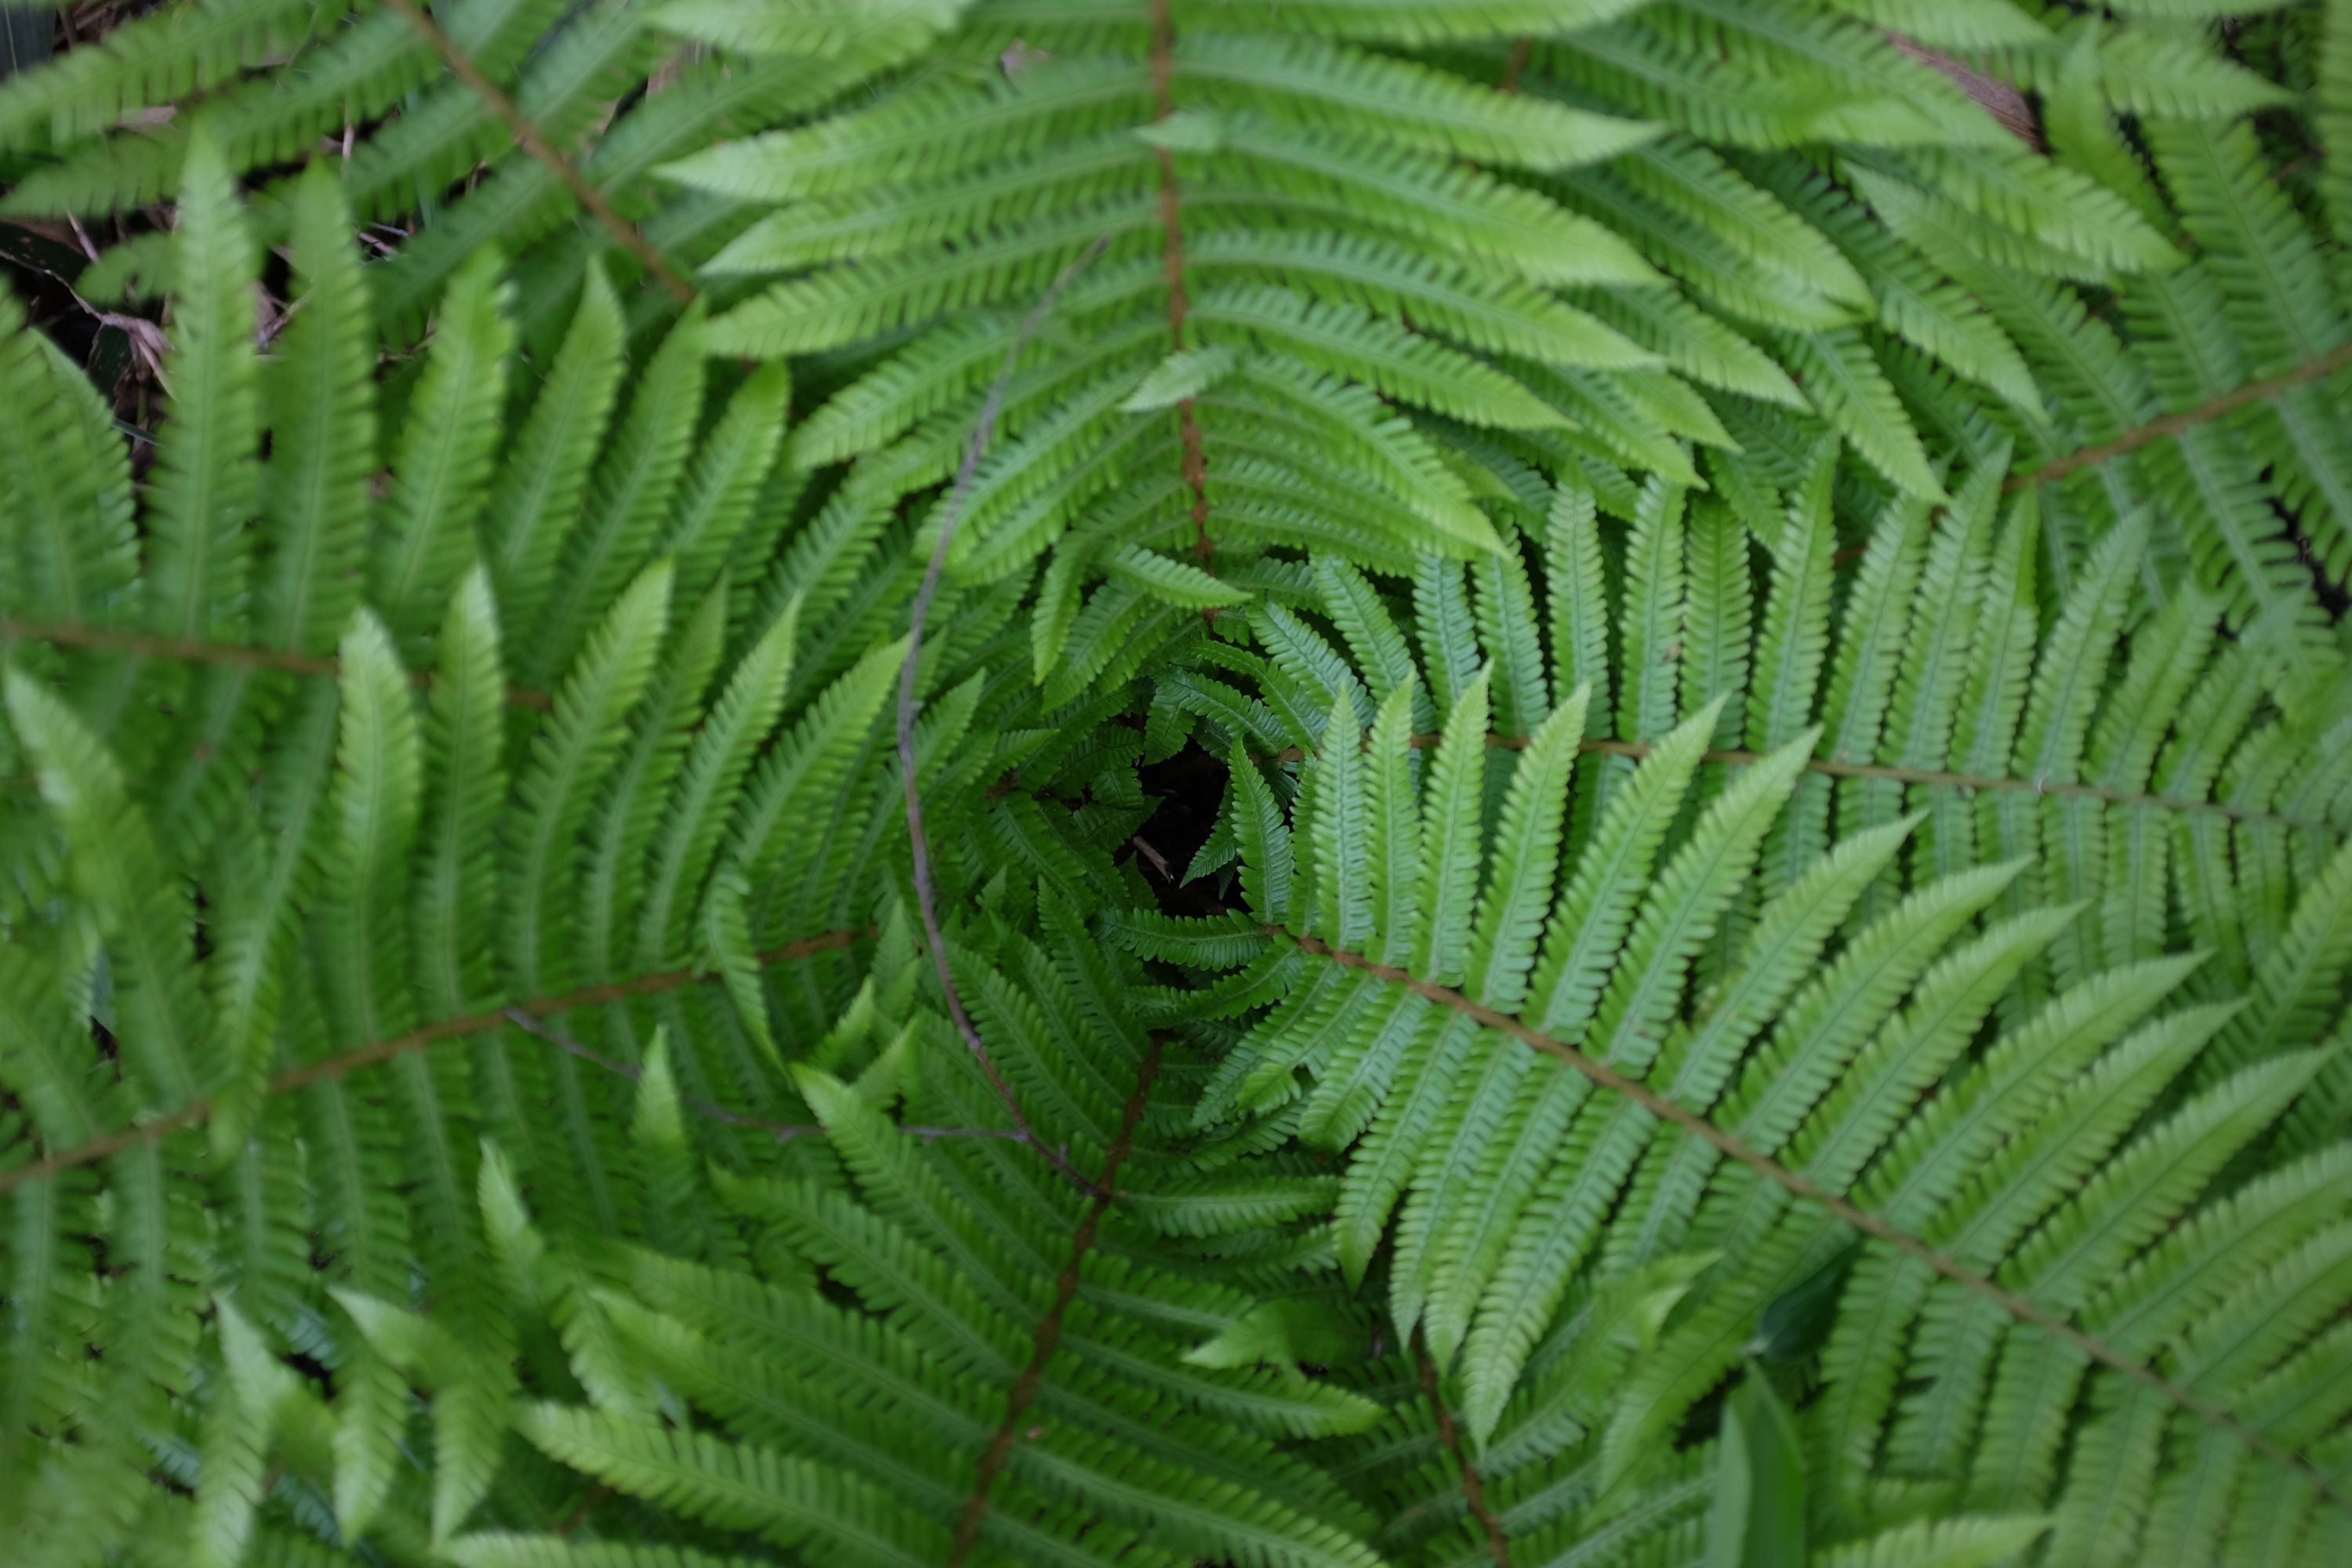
x,y
1997,98
1159,861
926,893
145,338
1803,1187
532,141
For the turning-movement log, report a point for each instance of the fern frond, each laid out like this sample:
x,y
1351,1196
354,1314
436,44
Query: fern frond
x,y
1633,758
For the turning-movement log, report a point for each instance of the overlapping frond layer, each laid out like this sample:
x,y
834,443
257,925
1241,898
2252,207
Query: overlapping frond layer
x,y
1749,1034
421,999
1322,271
1766,982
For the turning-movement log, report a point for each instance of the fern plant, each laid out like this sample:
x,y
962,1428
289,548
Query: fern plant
x,y
1731,1115
692,793
1762,973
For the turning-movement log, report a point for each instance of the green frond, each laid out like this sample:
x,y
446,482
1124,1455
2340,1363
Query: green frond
x,y
1853,393
164,57
75,547
722,752
633,796
141,913
609,543
322,421
1394,21
1796,620
788,1502
2328,112
1355,343
379,766
808,766
441,466
1961,1543
1555,1225
543,475
1335,87
813,30
565,765
1632,765
503,1550
1509,918
465,770
205,482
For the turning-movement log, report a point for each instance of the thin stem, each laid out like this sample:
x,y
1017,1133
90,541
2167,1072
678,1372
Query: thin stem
x,y
73,634
784,1131
2212,409
1803,1187
926,890
999,1452
1522,47
533,142
1474,1485
147,645
1171,229
384,1050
